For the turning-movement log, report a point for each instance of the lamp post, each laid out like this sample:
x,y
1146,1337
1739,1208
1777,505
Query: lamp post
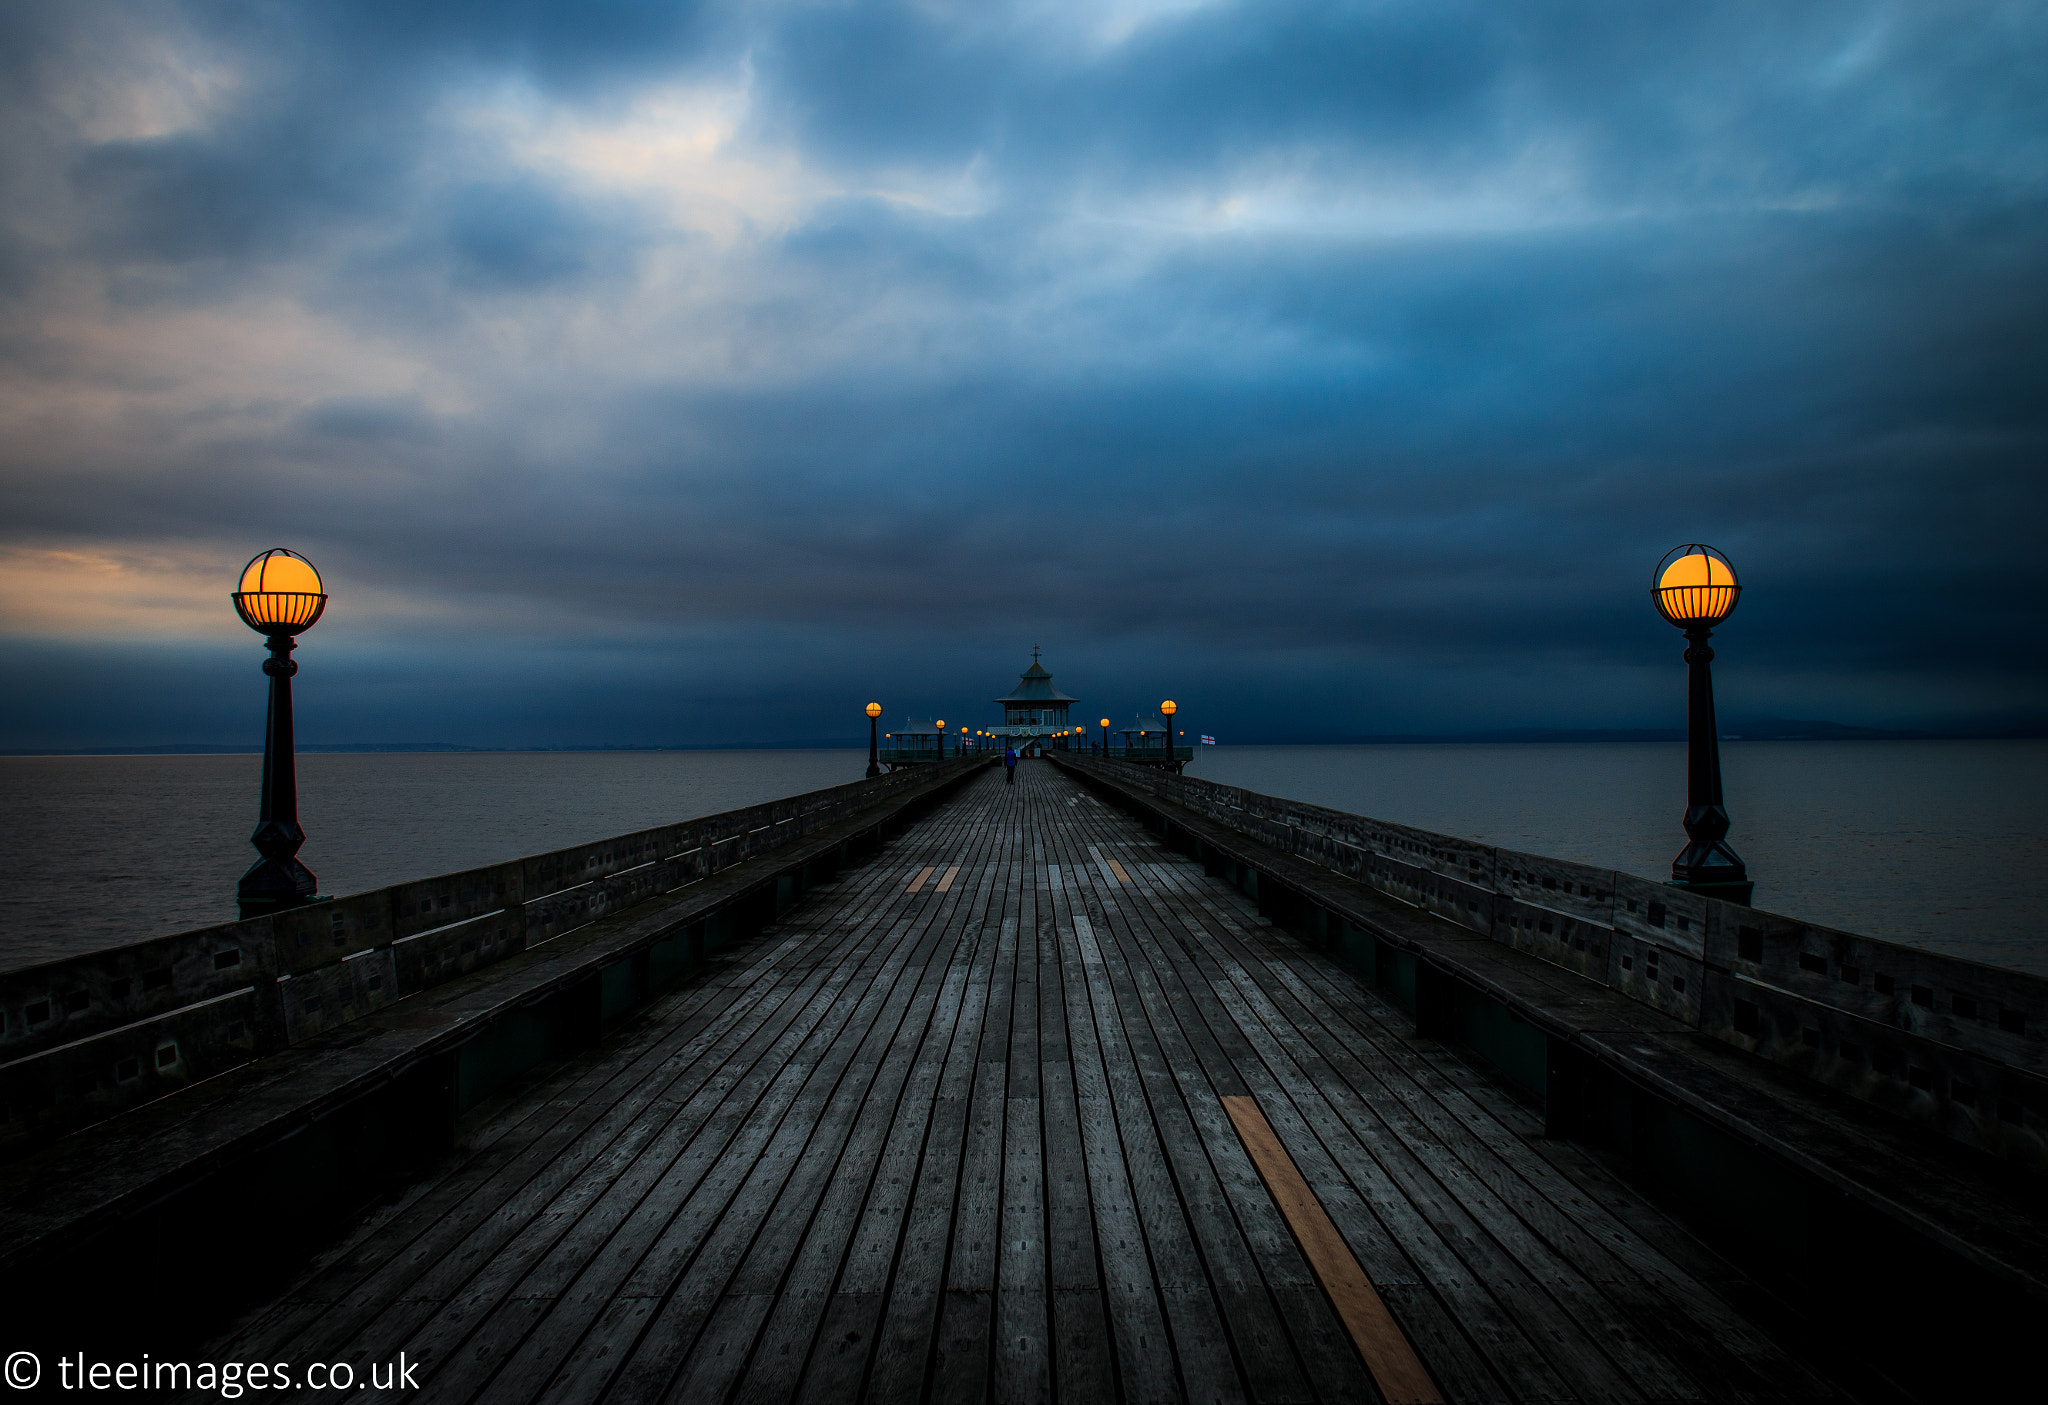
x,y
874,745
278,596
1695,588
1105,739
1166,710
942,738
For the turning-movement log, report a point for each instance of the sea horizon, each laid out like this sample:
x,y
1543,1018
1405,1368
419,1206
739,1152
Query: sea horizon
x,y
1760,730
1930,844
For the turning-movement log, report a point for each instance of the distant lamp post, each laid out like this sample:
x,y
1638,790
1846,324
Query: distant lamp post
x,y
1105,739
1695,588
874,711
941,724
1166,710
278,596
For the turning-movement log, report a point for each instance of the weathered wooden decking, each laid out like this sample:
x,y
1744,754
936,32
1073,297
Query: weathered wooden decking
x,y
954,1129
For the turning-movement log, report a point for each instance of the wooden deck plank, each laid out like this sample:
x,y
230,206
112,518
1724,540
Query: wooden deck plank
x,y
1195,1317
954,1130
1414,1163
501,1134
1742,1364
1578,1329
1649,1287
704,1220
760,1278
1211,1049
1473,1293
435,1267
1084,1365
1021,1345
1396,1370
1213,1046
914,1291
487,1339
1264,1350
1139,1342
596,1291
793,1260
561,1112
962,1359
903,1100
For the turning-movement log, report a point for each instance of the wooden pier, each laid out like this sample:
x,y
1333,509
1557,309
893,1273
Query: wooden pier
x,y
1028,1108
1106,1085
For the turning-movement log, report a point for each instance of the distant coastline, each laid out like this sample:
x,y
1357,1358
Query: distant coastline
x,y
1766,729
436,748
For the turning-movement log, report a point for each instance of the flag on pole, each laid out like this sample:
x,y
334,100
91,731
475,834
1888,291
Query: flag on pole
x,y
1208,741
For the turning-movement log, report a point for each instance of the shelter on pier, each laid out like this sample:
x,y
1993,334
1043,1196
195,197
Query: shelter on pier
x,y
1148,740
912,743
1035,713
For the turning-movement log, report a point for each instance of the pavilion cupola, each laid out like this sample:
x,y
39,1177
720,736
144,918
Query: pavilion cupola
x,y
1035,703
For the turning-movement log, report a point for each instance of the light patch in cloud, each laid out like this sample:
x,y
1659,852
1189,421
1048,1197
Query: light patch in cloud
x,y
679,145
1866,43
144,85
104,379
687,147
1107,24
109,592
1540,187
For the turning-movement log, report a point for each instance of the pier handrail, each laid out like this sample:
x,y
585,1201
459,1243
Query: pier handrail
x,y
83,1037
1956,1045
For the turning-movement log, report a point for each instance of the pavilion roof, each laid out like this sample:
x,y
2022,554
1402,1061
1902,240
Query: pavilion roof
x,y
1034,685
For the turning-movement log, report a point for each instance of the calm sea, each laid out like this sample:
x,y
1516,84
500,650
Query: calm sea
x,y
1941,844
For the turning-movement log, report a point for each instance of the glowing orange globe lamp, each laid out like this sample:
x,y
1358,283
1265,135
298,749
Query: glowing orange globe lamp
x,y
874,711
1695,588
279,595
1695,585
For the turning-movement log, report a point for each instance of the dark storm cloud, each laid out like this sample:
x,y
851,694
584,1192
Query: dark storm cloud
x,y
1363,357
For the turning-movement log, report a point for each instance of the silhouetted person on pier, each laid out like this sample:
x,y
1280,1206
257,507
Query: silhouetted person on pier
x,y
1010,765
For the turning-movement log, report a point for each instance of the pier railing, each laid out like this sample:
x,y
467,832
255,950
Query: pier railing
x,y
1953,1044
84,1037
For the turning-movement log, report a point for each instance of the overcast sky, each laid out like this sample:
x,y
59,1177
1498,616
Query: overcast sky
x,y
692,373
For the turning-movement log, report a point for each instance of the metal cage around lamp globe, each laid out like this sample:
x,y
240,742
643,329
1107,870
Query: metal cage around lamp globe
x,y
279,595
1695,588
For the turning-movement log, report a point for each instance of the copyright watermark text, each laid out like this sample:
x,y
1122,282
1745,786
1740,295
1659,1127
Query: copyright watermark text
x,y
231,1380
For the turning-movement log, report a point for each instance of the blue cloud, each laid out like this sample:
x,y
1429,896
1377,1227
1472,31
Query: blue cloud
x,y
1285,343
